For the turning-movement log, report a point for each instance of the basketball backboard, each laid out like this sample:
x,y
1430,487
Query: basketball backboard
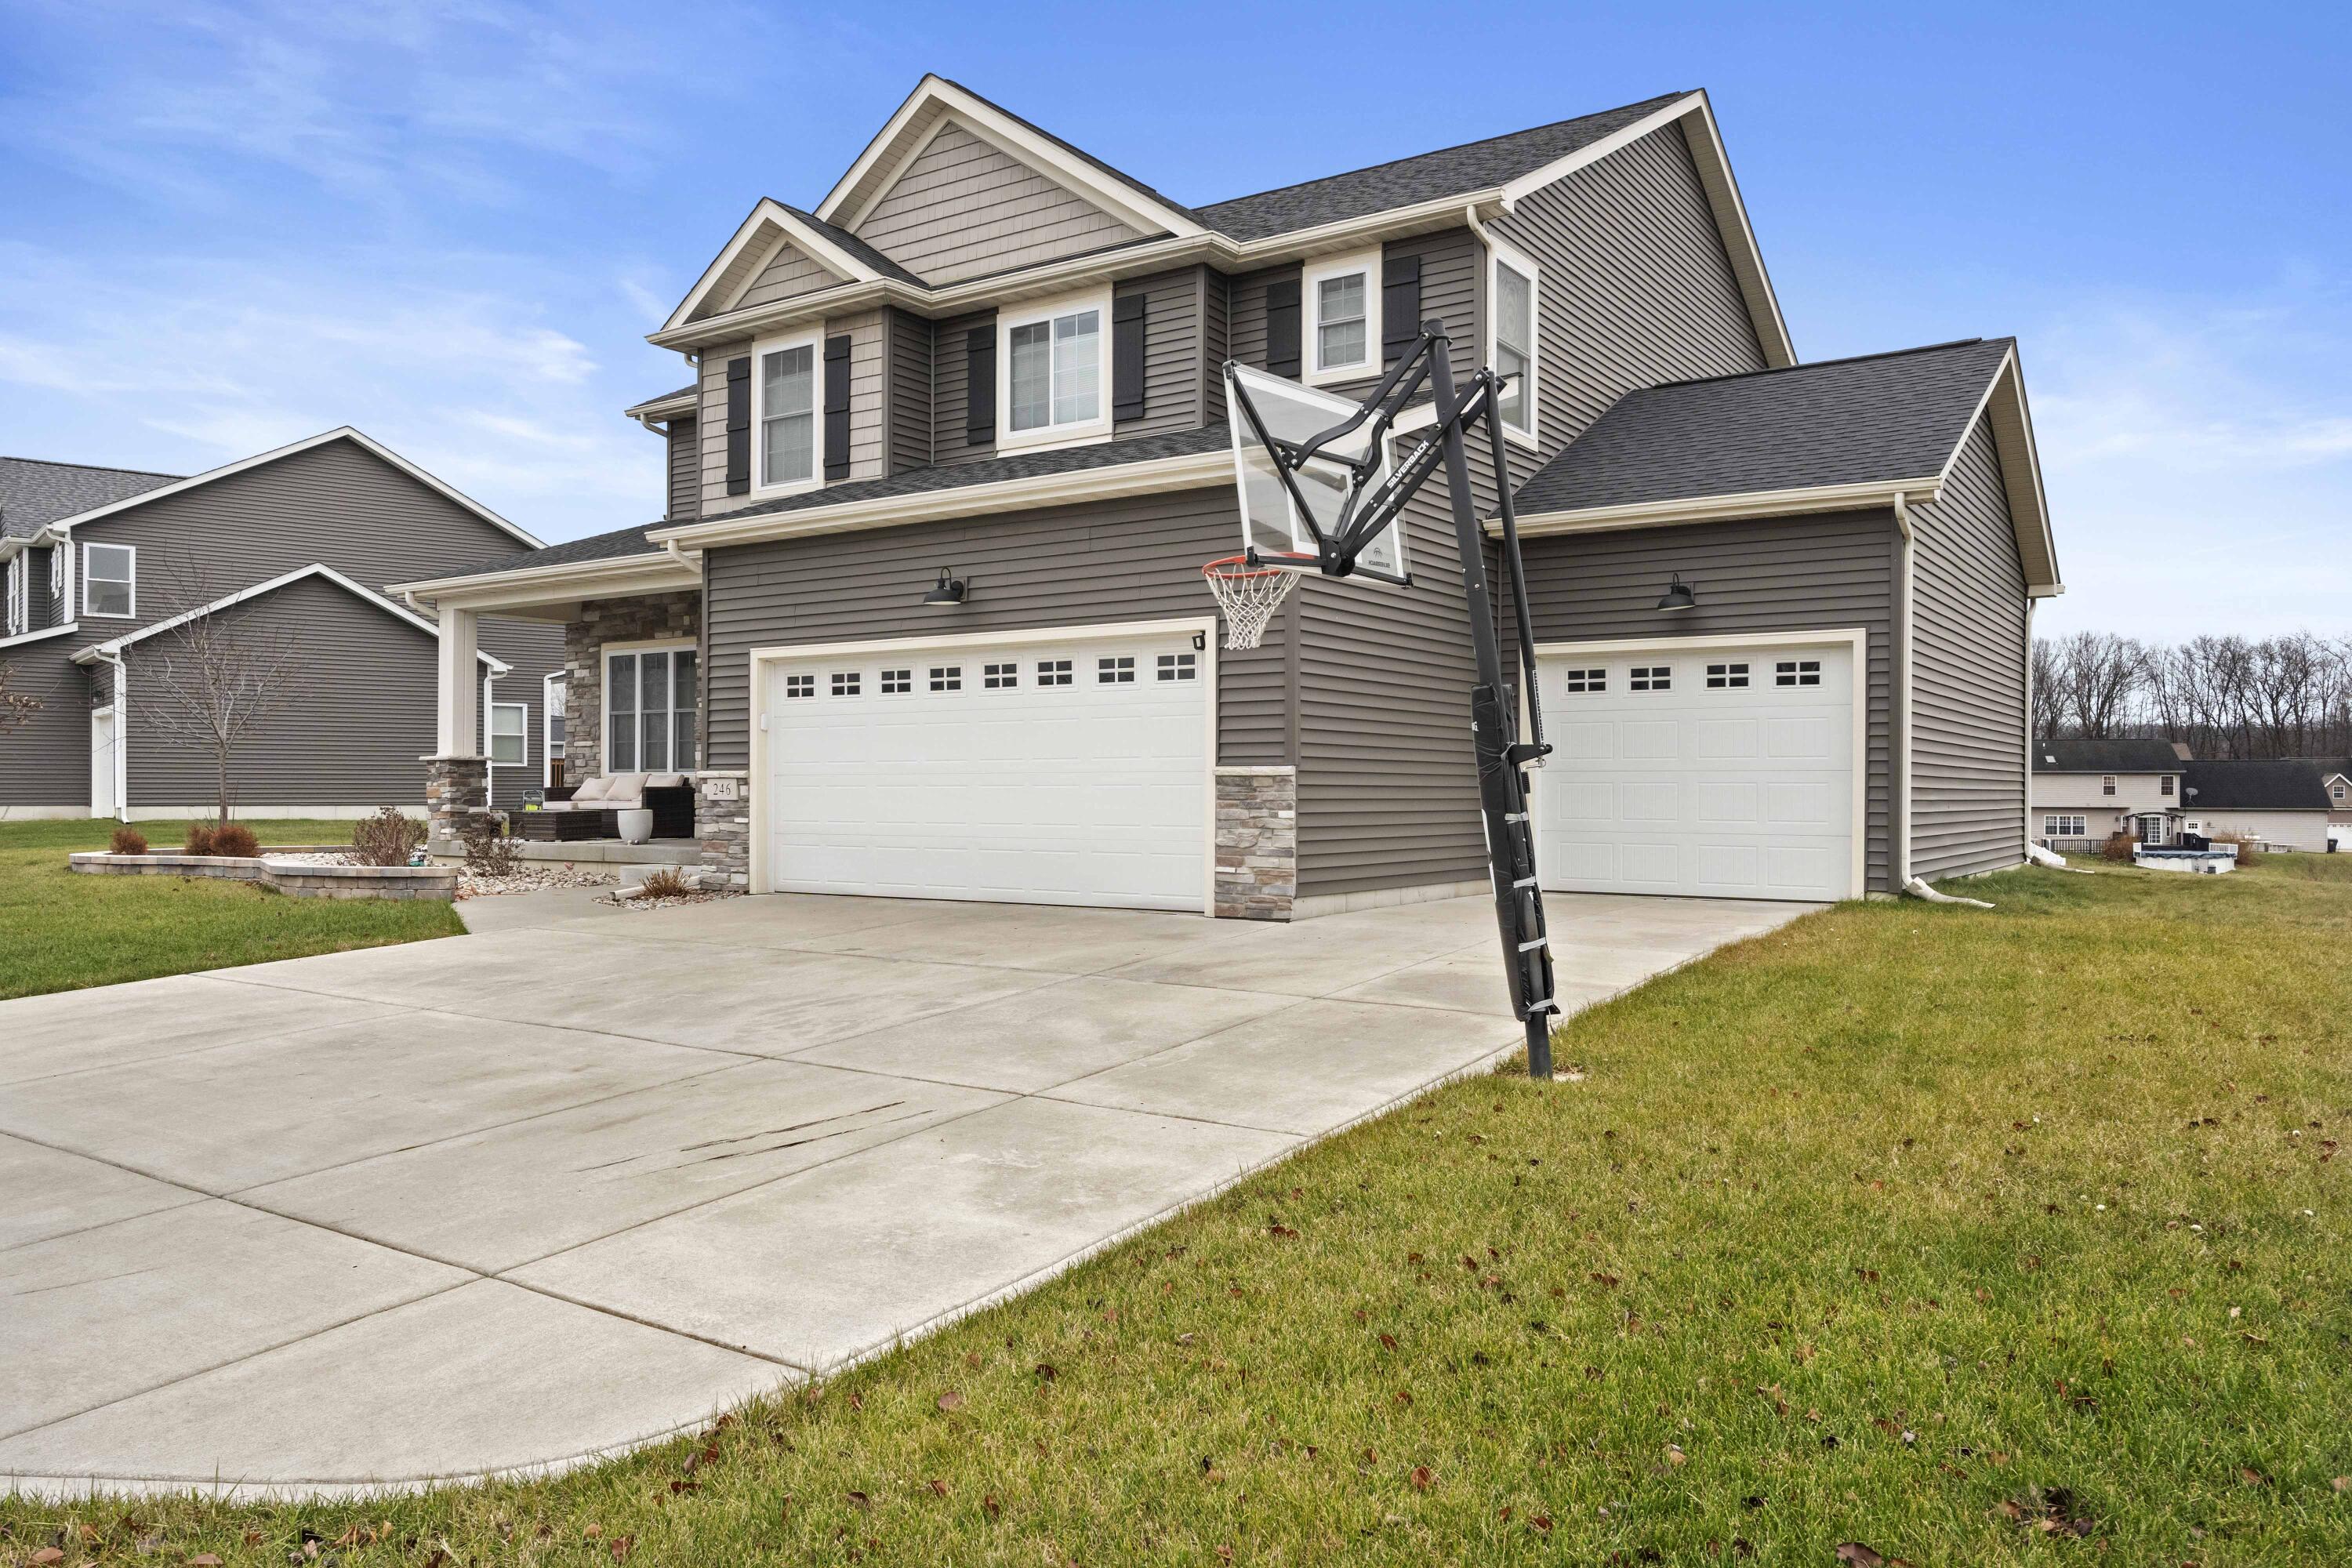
x,y
1294,415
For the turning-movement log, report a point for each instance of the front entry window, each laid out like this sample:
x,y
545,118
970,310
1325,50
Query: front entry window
x,y
649,704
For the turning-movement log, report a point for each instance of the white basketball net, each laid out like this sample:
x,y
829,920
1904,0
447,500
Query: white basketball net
x,y
1248,595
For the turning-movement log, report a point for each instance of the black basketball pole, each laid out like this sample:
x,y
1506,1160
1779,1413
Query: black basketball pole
x,y
1502,780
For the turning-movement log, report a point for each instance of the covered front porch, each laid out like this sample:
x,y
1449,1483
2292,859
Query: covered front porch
x,y
625,782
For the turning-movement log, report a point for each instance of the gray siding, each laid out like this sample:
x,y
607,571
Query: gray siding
x,y
907,350
1782,574
949,376
684,465
1125,560
1172,351
962,207
45,762
712,423
786,275
864,333
1968,674
1245,315
1217,342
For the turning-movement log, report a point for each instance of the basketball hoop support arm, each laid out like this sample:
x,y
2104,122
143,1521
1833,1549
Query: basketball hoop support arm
x,y
1503,759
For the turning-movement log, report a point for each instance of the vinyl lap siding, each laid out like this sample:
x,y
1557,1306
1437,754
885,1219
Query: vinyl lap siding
x,y
1245,326
685,469
950,441
1216,340
45,760
1967,676
1171,351
907,358
712,421
866,386
788,274
1788,574
962,207
1131,559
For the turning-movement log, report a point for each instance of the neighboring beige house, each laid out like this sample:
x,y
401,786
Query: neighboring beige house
x,y
2085,790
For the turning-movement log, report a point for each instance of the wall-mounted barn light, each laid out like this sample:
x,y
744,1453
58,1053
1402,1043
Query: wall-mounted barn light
x,y
948,590
1679,596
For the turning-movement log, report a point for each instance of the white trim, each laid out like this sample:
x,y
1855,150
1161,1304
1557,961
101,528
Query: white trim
x,y
771,223
20,617
1501,253
1202,627
679,405
1869,495
64,629
340,433
554,703
490,732
813,341
88,577
110,713
1315,372
878,165
652,573
1904,575
604,652
1855,639
107,650
1075,432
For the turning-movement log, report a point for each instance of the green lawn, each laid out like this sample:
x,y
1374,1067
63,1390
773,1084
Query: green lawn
x,y
60,932
1967,1237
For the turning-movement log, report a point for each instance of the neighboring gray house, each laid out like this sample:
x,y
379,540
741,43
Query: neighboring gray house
x,y
2285,802
2087,791
984,355
107,568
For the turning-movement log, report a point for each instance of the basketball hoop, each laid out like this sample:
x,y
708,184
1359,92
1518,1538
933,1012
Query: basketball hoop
x,y
1249,591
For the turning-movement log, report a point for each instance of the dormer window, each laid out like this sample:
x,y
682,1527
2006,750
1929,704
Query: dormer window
x,y
786,382
1512,351
1343,318
110,580
1050,371
20,600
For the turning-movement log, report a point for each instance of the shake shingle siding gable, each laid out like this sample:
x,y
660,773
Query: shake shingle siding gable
x,y
964,207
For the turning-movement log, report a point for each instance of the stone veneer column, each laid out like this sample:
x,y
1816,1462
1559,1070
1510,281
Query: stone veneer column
x,y
723,821
1257,843
455,788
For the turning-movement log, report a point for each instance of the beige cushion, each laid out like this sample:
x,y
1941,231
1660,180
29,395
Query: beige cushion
x,y
625,790
592,790
664,780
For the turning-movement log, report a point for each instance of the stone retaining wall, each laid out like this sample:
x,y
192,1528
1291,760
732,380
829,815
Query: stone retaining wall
x,y
294,881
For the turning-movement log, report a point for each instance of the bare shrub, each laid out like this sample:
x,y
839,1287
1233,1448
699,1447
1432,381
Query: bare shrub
x,y
199,840
668,882
2118,847
488,851
387,838
127,841
235,841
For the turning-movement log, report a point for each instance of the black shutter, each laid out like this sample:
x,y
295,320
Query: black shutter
x,y
1400,306
739,425
1127,357
836,408
980,385
1282,327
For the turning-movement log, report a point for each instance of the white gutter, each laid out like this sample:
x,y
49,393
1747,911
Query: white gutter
x,y
1903,877
1867,496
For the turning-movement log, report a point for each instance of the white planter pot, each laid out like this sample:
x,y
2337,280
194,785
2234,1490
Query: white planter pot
x,y
636,825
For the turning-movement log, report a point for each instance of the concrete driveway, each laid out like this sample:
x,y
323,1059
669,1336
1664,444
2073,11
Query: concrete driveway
x,y
517,1200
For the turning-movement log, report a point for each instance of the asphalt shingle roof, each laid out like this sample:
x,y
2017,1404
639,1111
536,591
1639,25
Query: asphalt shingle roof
x,y
855,246
613,546
2106,756
2294,786
1834,421
1425,177
34,491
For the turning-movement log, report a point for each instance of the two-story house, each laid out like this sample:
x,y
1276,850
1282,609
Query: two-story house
x,y
287,553
925,613
2085,790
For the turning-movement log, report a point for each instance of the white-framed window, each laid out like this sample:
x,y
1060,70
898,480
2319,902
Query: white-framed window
x,y
847,682
1650,678
20,598
1053,370
1119,671
797,685
2151,830
509,733
1179,665
947,677
2337,791
1726,677
784,414
1339,328
1000,677
2164,786
552,692
110,580
1585,680
898,682
1053,672
1512,339
649,703
2064,826
2108,785
1797,672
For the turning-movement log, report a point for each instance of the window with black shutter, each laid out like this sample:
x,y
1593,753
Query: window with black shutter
x,y
1127,357
739,425
1282,327
980,385
1400,306
836,408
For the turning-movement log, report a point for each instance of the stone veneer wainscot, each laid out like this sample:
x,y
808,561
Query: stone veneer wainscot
x,y
1257,843
650,617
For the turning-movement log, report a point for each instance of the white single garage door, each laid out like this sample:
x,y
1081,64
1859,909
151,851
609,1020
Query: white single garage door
x,y
1724,773
1051,773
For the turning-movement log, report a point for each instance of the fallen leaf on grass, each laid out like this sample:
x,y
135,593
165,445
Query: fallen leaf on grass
x,y
1422,1476
2253,1477
989,1506
950,1400
622,1546
1859,1556
48,1554
939,1488
1045,1371
859,1499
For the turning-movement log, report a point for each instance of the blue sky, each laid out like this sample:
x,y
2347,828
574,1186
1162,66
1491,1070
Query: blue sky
x,y
224,225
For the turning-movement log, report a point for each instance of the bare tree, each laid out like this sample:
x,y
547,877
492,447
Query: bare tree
x,y
2095,678
215,681
2048,721
16,708
2224,696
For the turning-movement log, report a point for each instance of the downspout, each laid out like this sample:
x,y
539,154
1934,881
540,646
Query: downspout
x,y
1910,885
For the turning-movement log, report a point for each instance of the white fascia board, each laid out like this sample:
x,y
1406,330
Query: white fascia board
x,y
21,638
17,544
113,645
1863,497
340,433
769,225
488,592
688,402
917,117
2004,404
1152,477
1722,189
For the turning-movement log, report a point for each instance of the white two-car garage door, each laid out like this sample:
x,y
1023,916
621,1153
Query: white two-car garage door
x,y
1716,772
1028,771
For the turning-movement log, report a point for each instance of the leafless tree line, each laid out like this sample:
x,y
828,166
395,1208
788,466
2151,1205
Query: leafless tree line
x,y
2222,696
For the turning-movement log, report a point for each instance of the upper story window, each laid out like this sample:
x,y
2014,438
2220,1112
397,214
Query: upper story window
x,y
2108,785
1342,298
1050,371
2165,787
20,603
109,580
786,382
1512,351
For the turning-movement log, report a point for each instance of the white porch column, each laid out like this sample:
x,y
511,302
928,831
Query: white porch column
x,y
459,669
